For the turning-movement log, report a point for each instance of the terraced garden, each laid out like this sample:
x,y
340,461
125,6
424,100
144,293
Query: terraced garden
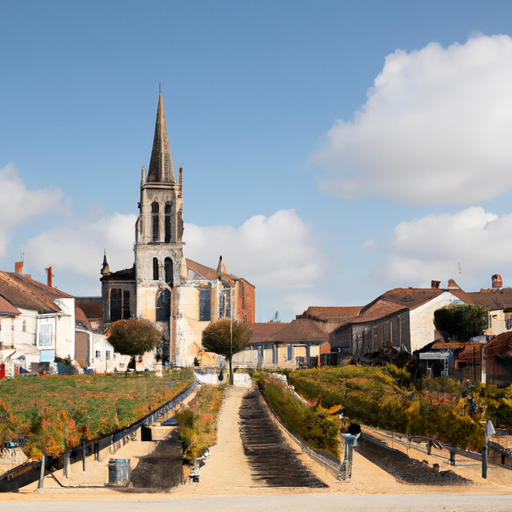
x,y
46,412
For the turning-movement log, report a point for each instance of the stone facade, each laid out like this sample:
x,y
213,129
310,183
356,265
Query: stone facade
x,y
161,286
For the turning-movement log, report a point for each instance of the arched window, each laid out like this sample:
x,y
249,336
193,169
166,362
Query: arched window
x,y
155,235
163,306
156,277
168,209
169,273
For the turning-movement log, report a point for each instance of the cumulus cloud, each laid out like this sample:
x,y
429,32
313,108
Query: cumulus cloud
x,y
19,205
278,251
76,245
436,128
275,252
432,248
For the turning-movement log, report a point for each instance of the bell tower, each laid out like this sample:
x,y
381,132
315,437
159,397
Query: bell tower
x,y
159,263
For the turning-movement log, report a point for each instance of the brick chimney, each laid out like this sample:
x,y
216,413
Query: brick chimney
x,y
49,276
18,267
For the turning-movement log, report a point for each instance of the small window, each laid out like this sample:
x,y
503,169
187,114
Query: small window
x,y
169,272
107,354
155,269
168,209
97,353
155,232
24,326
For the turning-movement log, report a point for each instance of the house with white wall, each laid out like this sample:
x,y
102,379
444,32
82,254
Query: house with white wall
x,y
40,322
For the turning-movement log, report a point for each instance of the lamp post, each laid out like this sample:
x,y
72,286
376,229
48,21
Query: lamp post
x,y
231,337
489,431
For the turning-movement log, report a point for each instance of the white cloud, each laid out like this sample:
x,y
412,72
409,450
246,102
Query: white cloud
x,y
19,205
436,128
277,252
76,245
432,248
369,244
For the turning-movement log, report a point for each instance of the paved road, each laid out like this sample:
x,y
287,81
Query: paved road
x,y
295,503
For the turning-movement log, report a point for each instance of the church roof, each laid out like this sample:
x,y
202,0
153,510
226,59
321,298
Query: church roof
x,y
160,165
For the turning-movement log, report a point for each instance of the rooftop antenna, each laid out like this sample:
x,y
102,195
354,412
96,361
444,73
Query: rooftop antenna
x,y
159,87
460,268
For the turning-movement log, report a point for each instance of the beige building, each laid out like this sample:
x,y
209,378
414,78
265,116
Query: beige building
x,y
180,296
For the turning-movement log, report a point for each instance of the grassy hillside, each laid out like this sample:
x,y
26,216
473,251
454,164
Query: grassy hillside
x,y
48,410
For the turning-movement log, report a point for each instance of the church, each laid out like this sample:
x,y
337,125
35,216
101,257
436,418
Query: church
x,y
179,295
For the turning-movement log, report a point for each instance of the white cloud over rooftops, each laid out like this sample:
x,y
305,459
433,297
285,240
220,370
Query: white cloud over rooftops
x,y
433,247
436,128
76,245
19,204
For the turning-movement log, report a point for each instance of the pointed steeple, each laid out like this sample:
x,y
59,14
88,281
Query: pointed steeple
x,y
105,269
160,165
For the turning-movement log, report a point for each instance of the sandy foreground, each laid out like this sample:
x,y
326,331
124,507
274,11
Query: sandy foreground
x,y
227,473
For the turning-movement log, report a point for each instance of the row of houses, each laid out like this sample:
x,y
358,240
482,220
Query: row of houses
x,y
42,326
399,321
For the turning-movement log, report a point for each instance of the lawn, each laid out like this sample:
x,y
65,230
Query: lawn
x,y
46,411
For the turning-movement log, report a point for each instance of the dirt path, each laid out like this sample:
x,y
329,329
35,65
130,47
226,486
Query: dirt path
x,y
227,466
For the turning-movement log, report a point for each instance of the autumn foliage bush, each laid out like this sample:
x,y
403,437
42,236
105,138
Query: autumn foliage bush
x,y
47,411
198,421
386,397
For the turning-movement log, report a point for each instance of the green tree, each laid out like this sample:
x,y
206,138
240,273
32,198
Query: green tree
x,y
134,337
461,322
226,338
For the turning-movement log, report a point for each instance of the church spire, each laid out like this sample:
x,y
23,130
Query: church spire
x,y
160,165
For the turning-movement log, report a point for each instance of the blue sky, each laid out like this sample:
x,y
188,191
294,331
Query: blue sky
x,y
332,150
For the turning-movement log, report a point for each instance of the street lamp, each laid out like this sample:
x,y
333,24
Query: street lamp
x,y
489,431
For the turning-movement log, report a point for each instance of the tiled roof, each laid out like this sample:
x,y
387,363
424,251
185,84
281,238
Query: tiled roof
x,y
211,274
7,309
377,309
204,271
297,331
500,346
411,297
330,313
38,287
23,292
471,352
262,332
493,299
300,331
80,316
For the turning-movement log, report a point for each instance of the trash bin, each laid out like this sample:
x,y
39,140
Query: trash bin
x,y
119,472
